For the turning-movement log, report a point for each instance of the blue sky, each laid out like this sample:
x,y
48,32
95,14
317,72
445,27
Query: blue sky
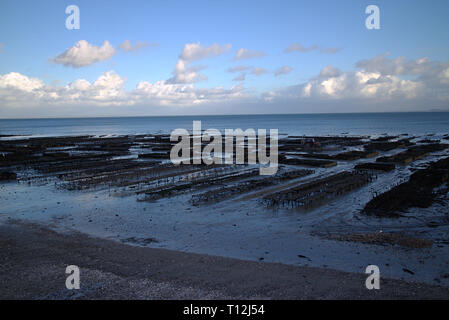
x,y
32,33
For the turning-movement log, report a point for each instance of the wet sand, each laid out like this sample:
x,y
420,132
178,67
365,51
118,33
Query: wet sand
x,y
34,259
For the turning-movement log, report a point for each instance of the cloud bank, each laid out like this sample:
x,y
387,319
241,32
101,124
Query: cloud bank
x,y
243,54
378,84
17,90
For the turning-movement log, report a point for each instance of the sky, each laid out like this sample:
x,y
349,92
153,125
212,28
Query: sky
x,y
131,58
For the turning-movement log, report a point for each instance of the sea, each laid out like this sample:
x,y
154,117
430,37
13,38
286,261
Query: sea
x,y
373,124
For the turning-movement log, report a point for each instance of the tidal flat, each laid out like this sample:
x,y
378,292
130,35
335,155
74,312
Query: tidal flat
x,y
336,202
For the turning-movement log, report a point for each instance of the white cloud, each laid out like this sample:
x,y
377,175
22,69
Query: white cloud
x,y
17,90
297,47
248,54
282,70
241,77
164,93
244,70
109,87
84,54
18,81
195,51
329,72
239,69
79,85
377,79
185,74
360,84
329,50
432,75
191,52
399,65
126,46
258,71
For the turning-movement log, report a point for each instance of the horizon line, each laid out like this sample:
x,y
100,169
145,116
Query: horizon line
x,y
221,115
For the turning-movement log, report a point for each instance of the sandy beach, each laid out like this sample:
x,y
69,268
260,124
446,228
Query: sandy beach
x,y
34,259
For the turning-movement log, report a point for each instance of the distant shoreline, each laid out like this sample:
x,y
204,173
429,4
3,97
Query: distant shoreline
x,y
224,115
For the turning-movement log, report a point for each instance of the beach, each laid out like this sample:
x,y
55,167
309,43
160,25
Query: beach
x,y
337,204
34,259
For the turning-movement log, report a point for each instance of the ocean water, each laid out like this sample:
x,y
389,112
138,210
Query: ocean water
x,y
415,123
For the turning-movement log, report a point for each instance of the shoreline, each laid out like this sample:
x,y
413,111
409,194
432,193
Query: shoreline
x,y
34,258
